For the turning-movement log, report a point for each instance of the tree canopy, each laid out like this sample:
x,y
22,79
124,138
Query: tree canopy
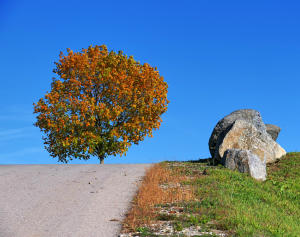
x,y
100,103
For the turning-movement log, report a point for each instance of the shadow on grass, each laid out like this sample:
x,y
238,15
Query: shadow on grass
x,y
207,161
202,161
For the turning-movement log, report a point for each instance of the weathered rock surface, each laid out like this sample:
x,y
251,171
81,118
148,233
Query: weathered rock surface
x,y
245,162
223,126
245,136
273,130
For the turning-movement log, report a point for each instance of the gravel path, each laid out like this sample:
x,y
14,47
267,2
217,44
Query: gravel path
x,y
66,200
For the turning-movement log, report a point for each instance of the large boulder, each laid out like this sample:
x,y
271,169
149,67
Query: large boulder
x,y
273,130
245,136
223,126
245,162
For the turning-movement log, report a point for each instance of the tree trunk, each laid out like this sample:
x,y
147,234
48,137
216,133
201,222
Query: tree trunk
x,y
101,160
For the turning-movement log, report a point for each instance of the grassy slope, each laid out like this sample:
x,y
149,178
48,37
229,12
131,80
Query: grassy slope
x,y
236,203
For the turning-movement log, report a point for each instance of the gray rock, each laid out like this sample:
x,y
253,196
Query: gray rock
x,y
245,162
225,124
273,130
246,136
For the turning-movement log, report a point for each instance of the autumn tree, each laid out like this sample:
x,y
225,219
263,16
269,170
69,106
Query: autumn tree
x,y
101,103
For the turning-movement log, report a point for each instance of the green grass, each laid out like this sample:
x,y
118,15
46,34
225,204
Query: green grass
x,y
235,202
144,232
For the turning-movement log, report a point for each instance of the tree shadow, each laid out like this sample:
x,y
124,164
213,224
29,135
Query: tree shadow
x,y
208,161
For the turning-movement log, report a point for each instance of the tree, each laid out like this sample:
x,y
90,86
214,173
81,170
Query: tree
x,y
102,103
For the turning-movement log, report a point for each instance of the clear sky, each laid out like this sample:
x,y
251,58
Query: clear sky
x,y
216,56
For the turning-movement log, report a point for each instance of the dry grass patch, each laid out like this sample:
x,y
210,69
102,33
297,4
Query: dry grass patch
x,y
159,186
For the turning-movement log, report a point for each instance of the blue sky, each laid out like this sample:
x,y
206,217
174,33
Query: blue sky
x,y
216,56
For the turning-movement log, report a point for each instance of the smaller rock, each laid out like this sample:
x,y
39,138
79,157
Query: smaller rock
x,y
205,172
245,162
273,130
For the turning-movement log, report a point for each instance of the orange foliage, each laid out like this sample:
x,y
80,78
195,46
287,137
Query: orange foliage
x,y
102,103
